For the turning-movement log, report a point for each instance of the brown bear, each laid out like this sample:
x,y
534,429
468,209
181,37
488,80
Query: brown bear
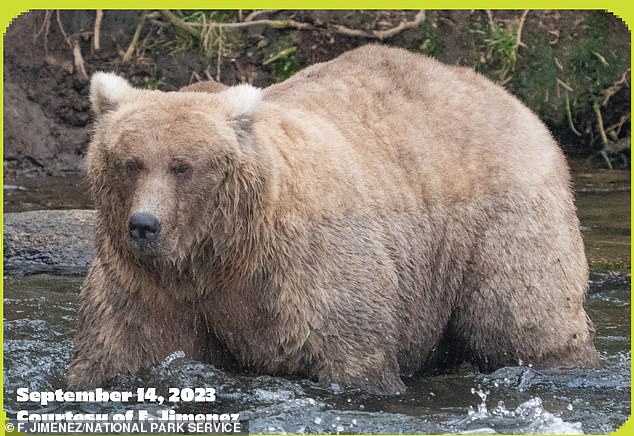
x,y
376,216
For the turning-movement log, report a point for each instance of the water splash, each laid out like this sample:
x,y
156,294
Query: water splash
x,y
529,417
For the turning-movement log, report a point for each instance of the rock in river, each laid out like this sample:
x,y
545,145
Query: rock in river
x,y
51,241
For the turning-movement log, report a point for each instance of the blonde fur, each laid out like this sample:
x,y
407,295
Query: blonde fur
x,y
376,216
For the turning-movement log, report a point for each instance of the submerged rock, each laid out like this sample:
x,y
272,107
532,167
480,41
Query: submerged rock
x,y
51,241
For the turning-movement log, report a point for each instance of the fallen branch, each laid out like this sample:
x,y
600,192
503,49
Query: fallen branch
x,y
95,40
381,34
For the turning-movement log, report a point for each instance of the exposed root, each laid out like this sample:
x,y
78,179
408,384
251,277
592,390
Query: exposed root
x,y
135,39
253,15
219,60
61,29
615,129
597,111
97,31
45,27
615,87
191,28
381,34
79,61
569,116
518,40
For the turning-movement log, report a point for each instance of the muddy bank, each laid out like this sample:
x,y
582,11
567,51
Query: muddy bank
x,y
48,117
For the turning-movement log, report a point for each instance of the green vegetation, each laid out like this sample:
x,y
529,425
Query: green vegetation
x,y
603,266
201,36
280,57
571,67
577,77
432,43
500,49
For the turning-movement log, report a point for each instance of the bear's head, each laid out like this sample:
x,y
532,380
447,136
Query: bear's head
x,y
169,170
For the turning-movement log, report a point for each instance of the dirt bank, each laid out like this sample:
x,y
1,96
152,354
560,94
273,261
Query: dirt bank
x,y
542,56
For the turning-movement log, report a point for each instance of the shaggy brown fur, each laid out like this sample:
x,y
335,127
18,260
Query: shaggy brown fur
x,y
374,216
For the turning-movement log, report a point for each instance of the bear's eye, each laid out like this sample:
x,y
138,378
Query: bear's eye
x,y
132,166
180,168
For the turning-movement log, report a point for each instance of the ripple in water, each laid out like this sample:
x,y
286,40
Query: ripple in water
x,y
39,326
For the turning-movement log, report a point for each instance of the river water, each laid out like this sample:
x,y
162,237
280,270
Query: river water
x,y
40,316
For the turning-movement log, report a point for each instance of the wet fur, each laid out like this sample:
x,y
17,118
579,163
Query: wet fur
x,y
377,216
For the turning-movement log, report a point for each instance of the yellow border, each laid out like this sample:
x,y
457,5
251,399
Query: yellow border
x,y
620,8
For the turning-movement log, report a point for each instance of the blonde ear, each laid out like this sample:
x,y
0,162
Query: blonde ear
x,y
107,90
241,100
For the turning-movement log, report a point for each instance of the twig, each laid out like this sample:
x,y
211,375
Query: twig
x,y
255,14
79,60
604,137
219,60
564,85
616,127
45,27
381,34
95,40
518,40
190,27
61,29
569,116
615,87
181,24
601,58
597,111
281,55
490,17
135,39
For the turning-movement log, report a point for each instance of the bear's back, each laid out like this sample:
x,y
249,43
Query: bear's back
x,y
410,123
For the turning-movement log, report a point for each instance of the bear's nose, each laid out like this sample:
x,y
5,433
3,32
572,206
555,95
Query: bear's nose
x,y
144,227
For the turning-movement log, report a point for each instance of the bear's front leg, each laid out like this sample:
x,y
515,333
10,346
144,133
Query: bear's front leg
x,y
373,372
121,332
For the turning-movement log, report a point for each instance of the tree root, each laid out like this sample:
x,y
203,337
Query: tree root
x,y
97,31
135,39
191,28
518,40
569,116
381,34
604,137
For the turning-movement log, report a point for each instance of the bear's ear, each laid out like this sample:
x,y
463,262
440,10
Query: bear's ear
x,y
241,100
107,90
